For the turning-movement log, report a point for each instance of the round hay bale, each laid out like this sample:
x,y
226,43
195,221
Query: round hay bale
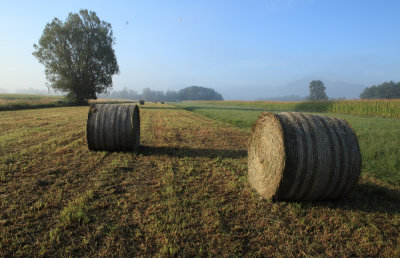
x,y
295,156
113,127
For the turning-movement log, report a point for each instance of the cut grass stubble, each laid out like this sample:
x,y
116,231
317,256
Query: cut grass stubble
x,y
185,193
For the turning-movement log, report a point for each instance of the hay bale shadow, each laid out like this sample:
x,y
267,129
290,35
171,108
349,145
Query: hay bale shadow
x,y
166,108
192,152
367,197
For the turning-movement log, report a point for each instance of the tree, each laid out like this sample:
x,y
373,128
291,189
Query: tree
x,y
148,94
386,90
317,91
78,56
199,93
369,93
171,95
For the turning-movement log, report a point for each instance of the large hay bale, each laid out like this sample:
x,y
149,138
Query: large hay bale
x,y
141,102
295,156
113,127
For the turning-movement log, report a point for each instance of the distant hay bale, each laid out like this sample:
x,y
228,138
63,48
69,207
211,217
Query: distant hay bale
x,y
162,102
113,127
295,156
141,102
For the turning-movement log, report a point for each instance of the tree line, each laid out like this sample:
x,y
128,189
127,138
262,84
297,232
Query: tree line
x,y
386,90
188,93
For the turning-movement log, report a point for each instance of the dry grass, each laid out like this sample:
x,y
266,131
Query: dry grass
x,y
20,101
113,127
26,101
185,193
297,156
267,155
5,102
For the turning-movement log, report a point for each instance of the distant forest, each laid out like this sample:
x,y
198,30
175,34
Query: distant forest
x,y
386,90
189,93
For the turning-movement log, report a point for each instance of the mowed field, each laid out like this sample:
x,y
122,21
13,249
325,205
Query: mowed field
x,y
184,193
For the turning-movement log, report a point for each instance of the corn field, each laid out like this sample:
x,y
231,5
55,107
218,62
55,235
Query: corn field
x,y
381,107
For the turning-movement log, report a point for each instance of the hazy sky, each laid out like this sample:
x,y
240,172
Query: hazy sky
x,y
240,48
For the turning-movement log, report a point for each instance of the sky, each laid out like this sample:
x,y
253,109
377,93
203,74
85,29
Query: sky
x,y
242,49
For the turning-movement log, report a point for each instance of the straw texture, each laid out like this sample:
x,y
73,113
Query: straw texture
x,y
113,127
295,156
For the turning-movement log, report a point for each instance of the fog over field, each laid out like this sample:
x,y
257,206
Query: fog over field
x,y
334,89
263,128
243,50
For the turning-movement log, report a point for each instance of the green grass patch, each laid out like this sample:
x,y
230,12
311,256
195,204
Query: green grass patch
x,y
380,107
378,137
77,212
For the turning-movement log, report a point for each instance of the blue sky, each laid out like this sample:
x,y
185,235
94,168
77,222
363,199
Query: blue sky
x,y
243,49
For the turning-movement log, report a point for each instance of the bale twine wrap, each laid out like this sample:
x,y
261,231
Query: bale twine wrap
x,y
113,127
295,156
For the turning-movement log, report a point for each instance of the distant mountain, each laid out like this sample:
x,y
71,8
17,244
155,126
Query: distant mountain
x,y
334,89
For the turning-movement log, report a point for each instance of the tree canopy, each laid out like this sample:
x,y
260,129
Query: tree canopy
x,y
78,55
386,90
317,91
199,93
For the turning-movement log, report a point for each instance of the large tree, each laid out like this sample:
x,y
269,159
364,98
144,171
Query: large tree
x,y
317,91
78,55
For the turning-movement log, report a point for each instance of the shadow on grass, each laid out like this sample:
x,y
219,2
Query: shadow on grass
x,y
306,106
189,152
225,108
144,107
368,198
300,108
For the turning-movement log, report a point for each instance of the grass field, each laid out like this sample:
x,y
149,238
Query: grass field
x,y
373,107
6,96
25,101
185,193
379,137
